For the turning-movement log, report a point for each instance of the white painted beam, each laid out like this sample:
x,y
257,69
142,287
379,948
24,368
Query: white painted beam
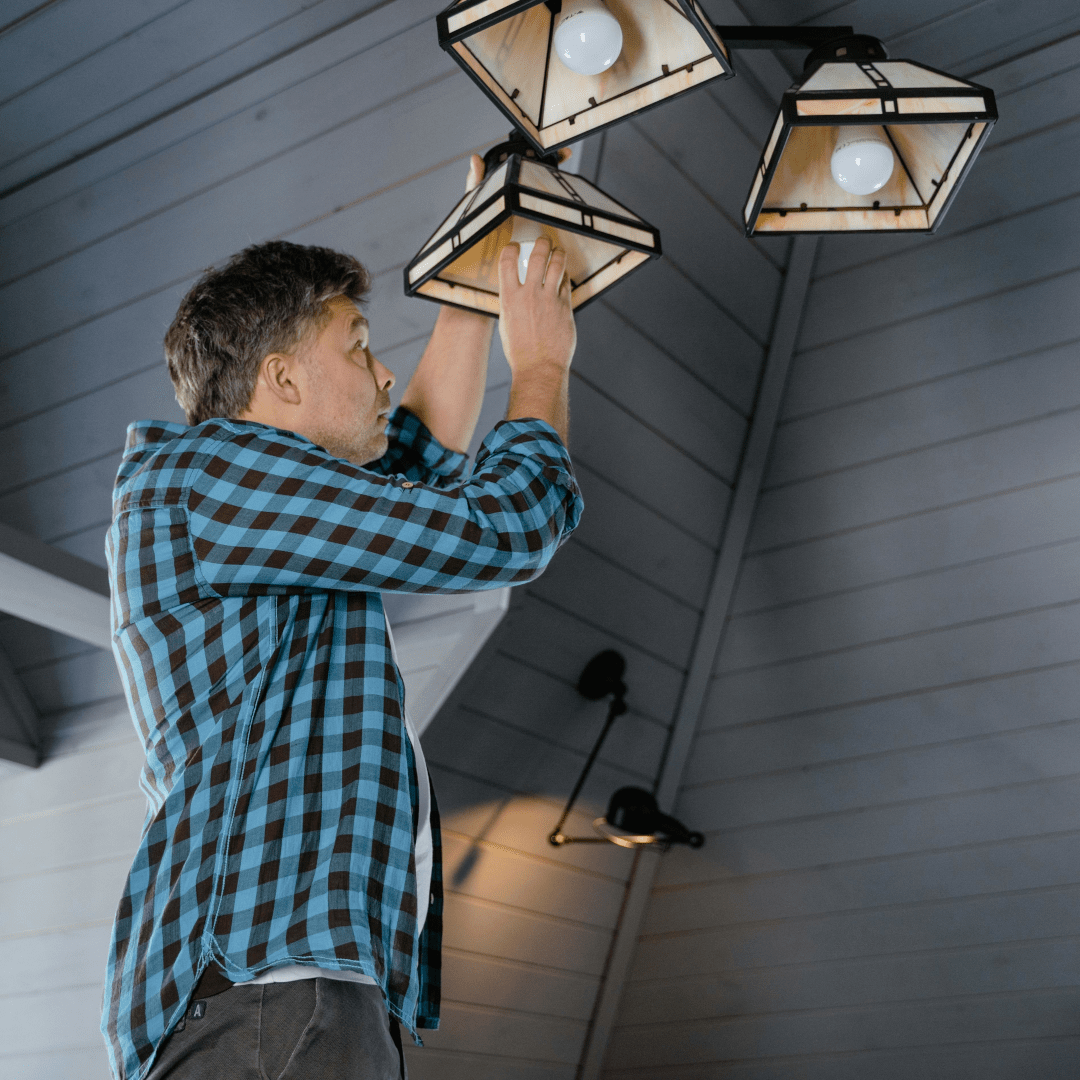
x,y
47,586
708,641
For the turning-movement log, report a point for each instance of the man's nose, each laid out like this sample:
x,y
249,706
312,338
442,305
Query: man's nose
x,y
384,377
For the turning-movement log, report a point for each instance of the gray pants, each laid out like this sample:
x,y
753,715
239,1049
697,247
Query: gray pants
x,y
285,1031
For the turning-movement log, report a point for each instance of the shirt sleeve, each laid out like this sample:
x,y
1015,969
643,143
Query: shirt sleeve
x,y
269,515
416,454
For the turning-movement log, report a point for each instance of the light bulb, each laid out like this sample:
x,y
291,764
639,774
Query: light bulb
x,y
525,234
862,161
588,38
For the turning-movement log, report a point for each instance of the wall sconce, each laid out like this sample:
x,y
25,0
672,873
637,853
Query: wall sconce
x,y
562,69
866,144
633,819
522,197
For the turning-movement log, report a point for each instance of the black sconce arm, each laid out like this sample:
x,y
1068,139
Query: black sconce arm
x,y
781,37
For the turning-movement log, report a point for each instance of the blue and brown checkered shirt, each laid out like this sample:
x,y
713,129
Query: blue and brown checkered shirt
x,y
246,565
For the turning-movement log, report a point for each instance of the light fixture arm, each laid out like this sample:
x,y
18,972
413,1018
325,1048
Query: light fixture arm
x,y
602,676
781,37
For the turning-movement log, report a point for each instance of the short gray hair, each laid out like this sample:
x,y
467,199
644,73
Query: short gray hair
x,y
263,300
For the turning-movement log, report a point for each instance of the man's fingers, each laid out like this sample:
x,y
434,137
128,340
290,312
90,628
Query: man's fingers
x,y
508,272
556,269
476,172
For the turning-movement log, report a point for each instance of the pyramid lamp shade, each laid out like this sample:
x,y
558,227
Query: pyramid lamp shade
x,y
562,69
867,144
523,196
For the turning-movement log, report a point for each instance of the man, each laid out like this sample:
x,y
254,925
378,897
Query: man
x,y
283,911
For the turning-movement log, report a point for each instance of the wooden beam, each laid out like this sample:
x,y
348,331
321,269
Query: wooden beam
x,y
47,586
20,738
708,641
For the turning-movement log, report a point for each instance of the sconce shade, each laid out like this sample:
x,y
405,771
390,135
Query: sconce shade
x,y
934,123
603,241
633,819
507,48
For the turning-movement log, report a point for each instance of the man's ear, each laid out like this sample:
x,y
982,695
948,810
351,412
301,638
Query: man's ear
x,y
278,374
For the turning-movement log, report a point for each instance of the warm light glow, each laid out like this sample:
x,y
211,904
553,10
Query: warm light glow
x,y
588,38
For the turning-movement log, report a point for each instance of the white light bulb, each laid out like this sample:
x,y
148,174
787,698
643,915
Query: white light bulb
x,y
588,38
525,234
862,161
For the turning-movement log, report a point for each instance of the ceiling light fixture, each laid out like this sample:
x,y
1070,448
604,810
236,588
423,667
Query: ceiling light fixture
x,y
633,819
562,69
863,143
522,197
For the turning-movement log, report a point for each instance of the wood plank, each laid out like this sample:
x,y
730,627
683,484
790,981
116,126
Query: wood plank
x,y
375,75
965,712
562,645
1024,321
993,969
535,703
43,1064
68,898
477,746
520,935
614,444
1028,880
742,282
953,270
585,584
174,46
998,1059
986,590
493,1031
38,48
1045,1014
105,827
952,407
916,774
294,188
641,378
472,979
52,961
428,1063
27,1021
78,680
993,814
476,809
835,936
1019,520
922,480
183,107
946,658
668,307
641,541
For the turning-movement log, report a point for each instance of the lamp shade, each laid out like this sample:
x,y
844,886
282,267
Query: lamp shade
x,y
853,108
508,47
523,196
634,819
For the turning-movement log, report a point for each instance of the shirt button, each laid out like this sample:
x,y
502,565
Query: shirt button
x,y
407,484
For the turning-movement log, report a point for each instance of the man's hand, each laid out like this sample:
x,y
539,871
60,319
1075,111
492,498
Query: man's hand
x,y
536,325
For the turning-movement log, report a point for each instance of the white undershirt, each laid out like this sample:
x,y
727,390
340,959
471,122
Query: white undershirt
x,y
423,854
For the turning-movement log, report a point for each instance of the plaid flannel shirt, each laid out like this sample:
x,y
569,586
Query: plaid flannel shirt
x,y
246,564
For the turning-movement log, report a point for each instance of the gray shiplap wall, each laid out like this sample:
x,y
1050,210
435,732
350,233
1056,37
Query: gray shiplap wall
x,y
154,138
888,764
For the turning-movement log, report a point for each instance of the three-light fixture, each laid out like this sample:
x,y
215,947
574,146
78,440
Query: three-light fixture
x,y
861,143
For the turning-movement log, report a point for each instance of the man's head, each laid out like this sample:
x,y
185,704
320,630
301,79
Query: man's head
x,y
276,336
